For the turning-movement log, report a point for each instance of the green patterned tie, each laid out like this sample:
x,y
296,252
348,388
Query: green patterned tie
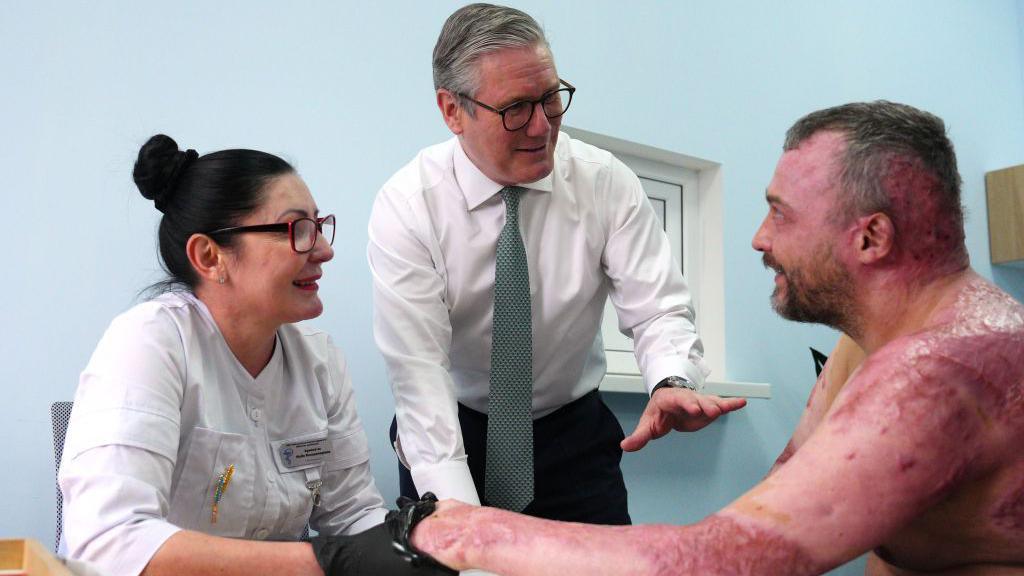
x,y
509,478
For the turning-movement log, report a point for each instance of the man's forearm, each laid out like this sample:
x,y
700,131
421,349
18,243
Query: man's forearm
x,y
517,545
511,544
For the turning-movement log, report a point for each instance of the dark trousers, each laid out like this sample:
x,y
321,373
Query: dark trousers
x,y
576,453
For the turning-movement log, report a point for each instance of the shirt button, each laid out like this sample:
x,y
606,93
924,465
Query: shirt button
x,y
255,414
270,477
262,534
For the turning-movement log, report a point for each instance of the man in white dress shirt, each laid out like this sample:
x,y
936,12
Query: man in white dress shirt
x,y
585,232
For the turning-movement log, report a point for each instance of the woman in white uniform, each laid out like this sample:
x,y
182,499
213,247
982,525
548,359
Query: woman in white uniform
x,y
208,428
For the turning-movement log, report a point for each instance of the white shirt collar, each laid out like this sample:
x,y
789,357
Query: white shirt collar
x,y
477,187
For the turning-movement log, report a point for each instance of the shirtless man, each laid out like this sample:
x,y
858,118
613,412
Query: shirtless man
x,y
919,457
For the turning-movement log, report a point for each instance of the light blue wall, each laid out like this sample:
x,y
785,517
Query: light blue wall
x,y
344,90
1011,278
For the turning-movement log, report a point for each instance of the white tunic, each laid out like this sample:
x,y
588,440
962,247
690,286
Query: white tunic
x,y
164,408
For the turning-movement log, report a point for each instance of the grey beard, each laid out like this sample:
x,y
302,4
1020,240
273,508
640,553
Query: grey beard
x,y
827,300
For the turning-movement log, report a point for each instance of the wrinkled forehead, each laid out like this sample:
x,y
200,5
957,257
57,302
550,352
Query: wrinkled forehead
x,y
809,171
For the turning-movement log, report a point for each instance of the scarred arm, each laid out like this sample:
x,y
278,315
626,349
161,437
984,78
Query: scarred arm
x,y
464,537
842,361
902,434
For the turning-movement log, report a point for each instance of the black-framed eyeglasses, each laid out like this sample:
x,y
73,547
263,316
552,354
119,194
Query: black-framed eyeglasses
x,y
519,113
302,231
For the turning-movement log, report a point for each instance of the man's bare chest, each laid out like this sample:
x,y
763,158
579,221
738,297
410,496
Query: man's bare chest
x,y
980,522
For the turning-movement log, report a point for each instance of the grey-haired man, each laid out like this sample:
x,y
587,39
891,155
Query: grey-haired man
x,y
492,256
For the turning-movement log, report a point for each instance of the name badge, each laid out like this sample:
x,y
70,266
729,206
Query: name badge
x,y
304,453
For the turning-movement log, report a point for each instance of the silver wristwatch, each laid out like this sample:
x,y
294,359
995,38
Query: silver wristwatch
x,y
675,382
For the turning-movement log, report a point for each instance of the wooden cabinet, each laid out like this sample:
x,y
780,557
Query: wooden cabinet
x,y
27,557
1005,189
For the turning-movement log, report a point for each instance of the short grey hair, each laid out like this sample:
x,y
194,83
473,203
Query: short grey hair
x,y
899,162
473,31
876,133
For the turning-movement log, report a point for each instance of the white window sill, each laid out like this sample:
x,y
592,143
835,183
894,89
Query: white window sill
x,y
635,384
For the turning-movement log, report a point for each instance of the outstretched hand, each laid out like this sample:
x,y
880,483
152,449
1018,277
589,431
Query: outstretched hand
x,y
677,409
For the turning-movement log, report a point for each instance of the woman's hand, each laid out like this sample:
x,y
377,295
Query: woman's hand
x,y
368,553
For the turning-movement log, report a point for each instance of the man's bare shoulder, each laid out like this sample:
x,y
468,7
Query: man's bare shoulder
x,y
970,349
918,456
842,363
951,397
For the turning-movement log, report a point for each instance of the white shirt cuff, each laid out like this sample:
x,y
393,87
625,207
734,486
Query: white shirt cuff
x,y
660,368
449,479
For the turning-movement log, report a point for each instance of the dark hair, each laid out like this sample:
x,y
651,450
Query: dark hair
x,y
898,161
199,194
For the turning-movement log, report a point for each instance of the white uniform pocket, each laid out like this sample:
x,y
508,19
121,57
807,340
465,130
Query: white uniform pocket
x,y
210,454
300,459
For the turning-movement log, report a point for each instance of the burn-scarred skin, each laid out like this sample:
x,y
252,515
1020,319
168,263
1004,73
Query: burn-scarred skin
x,y
502,542
919,457
912,443
918,213
929,429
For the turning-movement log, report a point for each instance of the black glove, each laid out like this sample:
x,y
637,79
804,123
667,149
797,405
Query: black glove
x,y
401,522
368,553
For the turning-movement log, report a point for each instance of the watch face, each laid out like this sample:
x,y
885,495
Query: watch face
x,y
677,382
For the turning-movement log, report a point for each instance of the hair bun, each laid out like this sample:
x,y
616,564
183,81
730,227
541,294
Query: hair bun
x,y
159,167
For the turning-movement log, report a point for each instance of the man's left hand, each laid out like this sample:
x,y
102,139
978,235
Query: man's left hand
x,y
677,409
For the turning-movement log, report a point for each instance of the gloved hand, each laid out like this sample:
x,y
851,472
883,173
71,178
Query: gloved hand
x,y
369,553
401,522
